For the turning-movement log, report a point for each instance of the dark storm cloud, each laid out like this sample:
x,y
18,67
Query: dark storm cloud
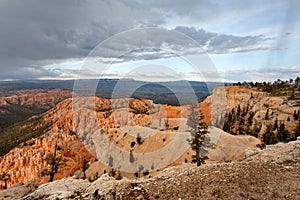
x,y
38,32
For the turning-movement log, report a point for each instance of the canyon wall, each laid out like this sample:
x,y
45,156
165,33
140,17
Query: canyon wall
x,y
38,98
263,108
73,123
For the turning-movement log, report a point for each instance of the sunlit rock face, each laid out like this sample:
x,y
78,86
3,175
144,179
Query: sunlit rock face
x,y
76,124
37,98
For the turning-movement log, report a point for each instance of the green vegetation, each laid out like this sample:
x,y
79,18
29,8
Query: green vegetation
x,y
16,114
20,132
289,88
296,115
54,161
84,167
239,121
4,178
115,173
198,130
139,139
277,133
297,130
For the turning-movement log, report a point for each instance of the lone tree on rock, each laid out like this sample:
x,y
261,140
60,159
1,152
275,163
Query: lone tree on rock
x,y
4,177
84,167
54,161
198,130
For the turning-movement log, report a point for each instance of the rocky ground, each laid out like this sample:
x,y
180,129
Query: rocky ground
x,y
272,173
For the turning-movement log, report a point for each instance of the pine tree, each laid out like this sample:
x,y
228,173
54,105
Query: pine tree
x,y
269,136
112,172
250,118
267,115
4,177
297,80
84,167
297,131
283,134
238,110
139,139
198,130
54,161
275,124
292,97
226,126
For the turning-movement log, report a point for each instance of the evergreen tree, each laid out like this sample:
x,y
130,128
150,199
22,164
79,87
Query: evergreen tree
x,y
139,139
269,136
4,177
283,134
238,112
198,130
297,131
112,172
84,167
267,115
250,118
292,97
226,126
54,161
275,124
297,80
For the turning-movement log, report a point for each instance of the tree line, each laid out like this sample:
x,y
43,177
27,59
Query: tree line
x,y
290,88
239,121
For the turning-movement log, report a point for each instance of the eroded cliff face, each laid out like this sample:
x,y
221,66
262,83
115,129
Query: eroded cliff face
x,y
75,123
72,125
26,162
264,108
93,112
37,98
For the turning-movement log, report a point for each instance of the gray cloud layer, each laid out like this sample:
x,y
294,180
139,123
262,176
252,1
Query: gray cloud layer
x,y
35,32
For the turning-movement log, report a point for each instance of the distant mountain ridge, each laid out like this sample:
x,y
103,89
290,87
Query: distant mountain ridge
x,y
159,92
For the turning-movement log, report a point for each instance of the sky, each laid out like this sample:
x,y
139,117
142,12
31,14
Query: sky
x,y
203,40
